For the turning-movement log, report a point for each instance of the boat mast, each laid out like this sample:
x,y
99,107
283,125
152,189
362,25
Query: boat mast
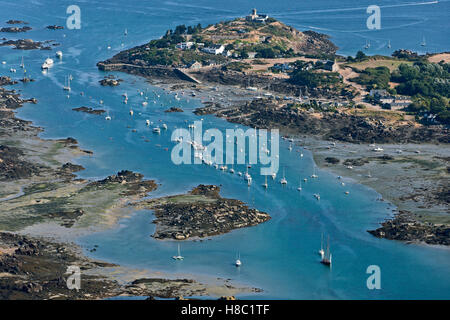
x,y
328,249
321,243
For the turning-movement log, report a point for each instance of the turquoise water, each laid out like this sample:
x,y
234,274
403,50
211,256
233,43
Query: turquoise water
x,y
279,256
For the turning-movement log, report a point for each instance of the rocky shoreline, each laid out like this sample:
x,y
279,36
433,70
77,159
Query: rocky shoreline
x,y
39,188
36,269
405,227
199,214
425,199
341,126
344,123
344,127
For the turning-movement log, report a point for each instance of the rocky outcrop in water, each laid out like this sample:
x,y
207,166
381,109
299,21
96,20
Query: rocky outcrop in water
x,y
28,44
16,22
89,110
6,81
110,81
55,27
174,109
200,213
15,29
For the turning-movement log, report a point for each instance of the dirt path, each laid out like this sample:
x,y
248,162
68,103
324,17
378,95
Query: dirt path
x,y
347,73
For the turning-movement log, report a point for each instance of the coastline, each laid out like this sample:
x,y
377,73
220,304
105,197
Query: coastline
x,y
419,199
43,221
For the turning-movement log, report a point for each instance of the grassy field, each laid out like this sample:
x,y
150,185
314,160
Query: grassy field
x,y
392,64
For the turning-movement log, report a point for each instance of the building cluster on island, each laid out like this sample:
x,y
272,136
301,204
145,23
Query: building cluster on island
x,y
220,49
389,101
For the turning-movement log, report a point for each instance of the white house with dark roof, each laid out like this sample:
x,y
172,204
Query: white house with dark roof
x,y
214,49
184,45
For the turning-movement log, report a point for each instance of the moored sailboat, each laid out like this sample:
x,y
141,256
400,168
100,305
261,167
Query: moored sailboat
x,y
179,256
321,251
326,260
238,261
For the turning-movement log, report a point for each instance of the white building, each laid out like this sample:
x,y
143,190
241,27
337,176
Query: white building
x,y
257,17
184,45
215,49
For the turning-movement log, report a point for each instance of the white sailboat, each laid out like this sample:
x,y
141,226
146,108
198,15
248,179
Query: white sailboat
x,y
265,185
326,260
22,64
238,261
179,256
423,43
389,44
248,177
67,84
283,180
300,186
321,251
314,175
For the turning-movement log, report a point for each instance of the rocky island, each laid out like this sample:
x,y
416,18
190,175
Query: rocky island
x,y
16,22
29,44
55,27
200,213
110,81
89,110
15,29
218,51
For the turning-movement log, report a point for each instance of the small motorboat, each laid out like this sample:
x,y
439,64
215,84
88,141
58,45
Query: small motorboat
x,y
48,63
